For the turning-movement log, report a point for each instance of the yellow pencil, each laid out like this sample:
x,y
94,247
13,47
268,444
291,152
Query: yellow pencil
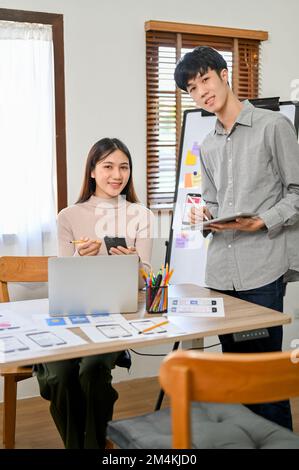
x,y
83,241
143,274
150,328
170,274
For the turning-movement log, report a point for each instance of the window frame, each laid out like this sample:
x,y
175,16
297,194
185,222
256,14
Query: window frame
x,y
56,21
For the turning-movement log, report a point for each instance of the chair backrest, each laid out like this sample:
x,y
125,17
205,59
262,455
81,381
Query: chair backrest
x,y
224,378
21,269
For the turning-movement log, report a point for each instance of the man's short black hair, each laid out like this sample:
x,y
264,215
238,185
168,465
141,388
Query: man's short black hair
x,y
199,61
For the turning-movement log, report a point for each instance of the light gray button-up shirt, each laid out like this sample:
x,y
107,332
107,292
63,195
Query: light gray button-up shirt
x,y
252,168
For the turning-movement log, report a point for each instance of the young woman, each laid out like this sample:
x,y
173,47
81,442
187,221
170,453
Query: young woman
x,y
80,390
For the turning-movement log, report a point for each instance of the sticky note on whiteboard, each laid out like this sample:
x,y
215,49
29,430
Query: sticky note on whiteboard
x,y
190,158
188,180
180,242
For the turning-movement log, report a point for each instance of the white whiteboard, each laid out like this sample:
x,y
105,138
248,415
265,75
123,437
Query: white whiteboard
x,y
187,251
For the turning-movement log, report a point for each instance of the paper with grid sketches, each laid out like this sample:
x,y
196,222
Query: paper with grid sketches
x,y
21,344
196,306
121,329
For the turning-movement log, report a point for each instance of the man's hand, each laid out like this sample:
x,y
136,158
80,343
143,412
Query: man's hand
x,y
244,224
199,214
88,247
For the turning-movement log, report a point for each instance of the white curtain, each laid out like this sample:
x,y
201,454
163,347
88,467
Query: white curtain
x,y
27,140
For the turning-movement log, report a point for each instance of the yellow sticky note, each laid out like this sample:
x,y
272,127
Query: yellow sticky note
x,y
196,178
190,158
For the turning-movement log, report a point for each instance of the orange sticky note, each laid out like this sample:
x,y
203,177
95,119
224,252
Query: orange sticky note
x,y
188,180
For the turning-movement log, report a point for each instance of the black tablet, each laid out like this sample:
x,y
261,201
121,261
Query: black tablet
x,y
229,218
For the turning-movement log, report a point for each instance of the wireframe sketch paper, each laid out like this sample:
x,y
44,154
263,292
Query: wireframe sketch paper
x,y
10,321
196,307
21,344
117,328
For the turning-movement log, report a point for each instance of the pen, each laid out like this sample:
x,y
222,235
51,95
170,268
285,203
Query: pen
x,y
83,241
150,328
158,280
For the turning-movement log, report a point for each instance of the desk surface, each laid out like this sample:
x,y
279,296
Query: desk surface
x,y
239,316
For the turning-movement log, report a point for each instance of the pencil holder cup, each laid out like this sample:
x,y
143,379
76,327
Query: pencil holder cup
x,y
156,299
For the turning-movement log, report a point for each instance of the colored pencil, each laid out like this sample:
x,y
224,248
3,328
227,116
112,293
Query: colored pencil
x,y
150,328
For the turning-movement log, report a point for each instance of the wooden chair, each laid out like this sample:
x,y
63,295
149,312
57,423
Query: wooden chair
x,y
224,378
221,383
17,269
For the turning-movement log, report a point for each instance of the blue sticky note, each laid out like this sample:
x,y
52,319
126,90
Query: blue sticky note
x,y
56,321
77,313
99,313
76,319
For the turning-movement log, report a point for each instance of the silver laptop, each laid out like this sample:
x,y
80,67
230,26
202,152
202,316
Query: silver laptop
x,y
93,284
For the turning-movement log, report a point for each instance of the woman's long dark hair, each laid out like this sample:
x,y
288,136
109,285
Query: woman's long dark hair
x,y
99,151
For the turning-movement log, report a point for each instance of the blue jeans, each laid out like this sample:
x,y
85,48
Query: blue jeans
x,y
271,296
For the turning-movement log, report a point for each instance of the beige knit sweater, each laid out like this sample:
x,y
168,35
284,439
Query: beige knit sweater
x,y
99,217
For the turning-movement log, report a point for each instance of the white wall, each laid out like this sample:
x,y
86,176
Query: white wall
x,y
105,73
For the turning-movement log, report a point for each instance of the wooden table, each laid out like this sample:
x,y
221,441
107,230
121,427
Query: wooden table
x,y
239,316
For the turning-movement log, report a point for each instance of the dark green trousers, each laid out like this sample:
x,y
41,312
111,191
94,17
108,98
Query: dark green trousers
x,y
81,397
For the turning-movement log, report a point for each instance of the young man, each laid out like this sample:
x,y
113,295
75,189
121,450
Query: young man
x,y
249,163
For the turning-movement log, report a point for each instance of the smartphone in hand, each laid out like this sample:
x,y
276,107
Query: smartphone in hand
x,y
192,200
114,242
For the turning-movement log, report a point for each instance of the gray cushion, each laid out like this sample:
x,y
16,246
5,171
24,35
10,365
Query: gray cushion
x,y
214,426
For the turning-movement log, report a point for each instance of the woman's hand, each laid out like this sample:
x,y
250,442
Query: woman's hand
x,y
88,247
120,250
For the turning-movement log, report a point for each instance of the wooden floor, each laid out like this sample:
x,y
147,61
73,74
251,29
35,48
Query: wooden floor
x,y
35,428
